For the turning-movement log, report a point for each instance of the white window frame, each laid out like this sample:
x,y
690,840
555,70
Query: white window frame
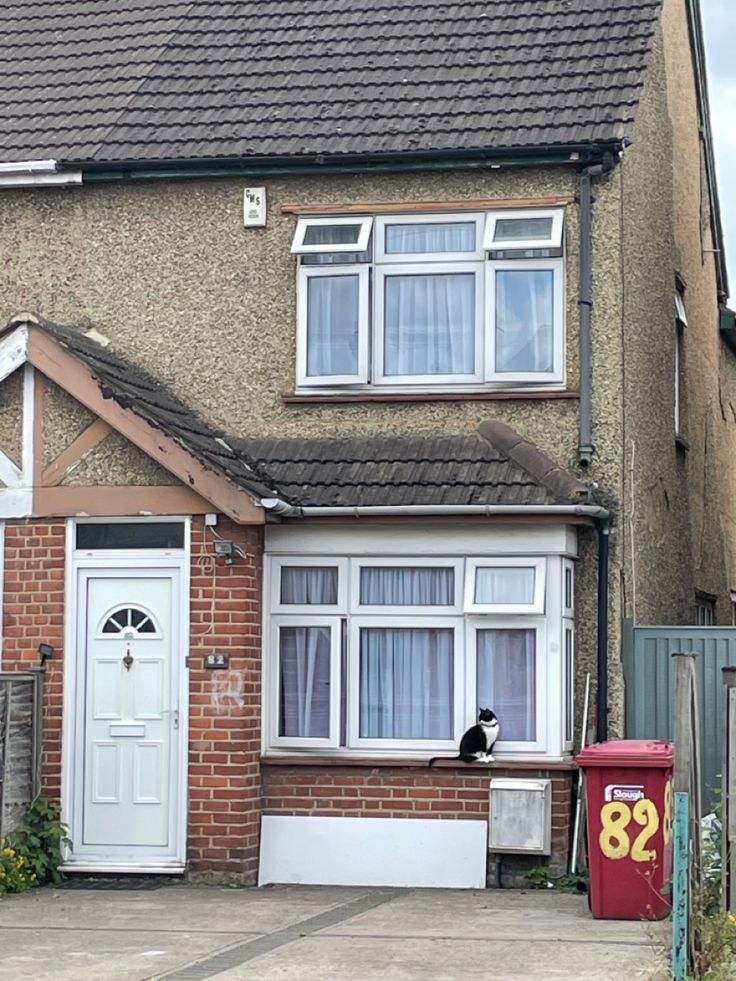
x,y
554,241
299,248
353,682
543,686
557,268
299,742
425,269
536,607
568,569
362,271
439,218
309,562
568,675
381,562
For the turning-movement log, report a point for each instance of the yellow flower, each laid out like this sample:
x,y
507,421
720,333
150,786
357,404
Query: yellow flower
x,y
731,918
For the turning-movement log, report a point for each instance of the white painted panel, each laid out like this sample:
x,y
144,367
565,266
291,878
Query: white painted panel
x,y
148,684
123,730
105,773
373,852
521,816
147,773
106,691
377,536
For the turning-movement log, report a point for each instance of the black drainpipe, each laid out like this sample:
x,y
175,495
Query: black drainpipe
x,y
585,444
602,686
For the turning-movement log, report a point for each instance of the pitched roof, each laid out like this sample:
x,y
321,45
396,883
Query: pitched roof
x,y
134,389
97,80
493,466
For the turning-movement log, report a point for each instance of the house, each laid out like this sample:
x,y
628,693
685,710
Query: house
x,y
377,368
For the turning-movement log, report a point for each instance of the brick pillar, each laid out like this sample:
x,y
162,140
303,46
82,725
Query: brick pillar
x,y
33,613
225,706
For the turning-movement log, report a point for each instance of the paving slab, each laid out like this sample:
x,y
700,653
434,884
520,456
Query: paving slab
x,y
312,933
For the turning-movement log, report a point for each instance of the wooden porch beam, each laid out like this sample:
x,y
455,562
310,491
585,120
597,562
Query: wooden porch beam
x,y
50,502
73,455
72,375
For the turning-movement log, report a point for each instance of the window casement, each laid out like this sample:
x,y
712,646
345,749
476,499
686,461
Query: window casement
x,y
680,325
395,654
441,301
505,585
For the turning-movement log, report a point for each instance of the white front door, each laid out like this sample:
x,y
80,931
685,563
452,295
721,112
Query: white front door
x,y
128,725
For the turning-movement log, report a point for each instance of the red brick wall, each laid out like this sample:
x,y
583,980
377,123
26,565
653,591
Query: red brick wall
x,y
224,726
404,792
225,706
33,613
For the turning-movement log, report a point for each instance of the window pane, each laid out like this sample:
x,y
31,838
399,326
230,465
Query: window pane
x,y
524,320
304,682
124,534
504,585
429,325
506,678
332,325
305,585
332,234
407,587
522,229
568,589
406,683
456,236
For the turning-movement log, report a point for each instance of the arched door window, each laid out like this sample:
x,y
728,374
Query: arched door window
x,y
128,622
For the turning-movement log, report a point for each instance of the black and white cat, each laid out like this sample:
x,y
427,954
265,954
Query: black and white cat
x,y
477,741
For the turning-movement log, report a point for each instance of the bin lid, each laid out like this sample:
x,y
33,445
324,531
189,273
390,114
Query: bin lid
x,y
628,752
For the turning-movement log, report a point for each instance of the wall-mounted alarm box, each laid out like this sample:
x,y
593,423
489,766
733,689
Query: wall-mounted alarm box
x,y
254,207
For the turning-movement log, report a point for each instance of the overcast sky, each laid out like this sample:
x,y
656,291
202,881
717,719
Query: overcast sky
x,y
720,41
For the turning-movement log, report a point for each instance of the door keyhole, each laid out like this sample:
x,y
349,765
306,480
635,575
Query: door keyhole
x,y
128,659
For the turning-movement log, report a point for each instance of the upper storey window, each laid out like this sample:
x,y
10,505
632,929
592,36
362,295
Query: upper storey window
x,y
441,301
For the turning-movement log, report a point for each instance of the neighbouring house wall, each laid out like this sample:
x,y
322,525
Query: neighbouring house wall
x,y
710,368
413,791
224,792
679,531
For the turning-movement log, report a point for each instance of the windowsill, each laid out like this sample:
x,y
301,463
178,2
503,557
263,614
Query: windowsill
x,y
554,763
306,398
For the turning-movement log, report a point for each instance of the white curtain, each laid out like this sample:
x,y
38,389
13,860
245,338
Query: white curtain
x,y
507,682
388,586
304,690
524,320
429,324
306,585
430,237
506,584
406,683
332,325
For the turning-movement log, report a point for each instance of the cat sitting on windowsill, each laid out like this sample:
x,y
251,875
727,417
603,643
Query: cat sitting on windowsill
x,y
477,742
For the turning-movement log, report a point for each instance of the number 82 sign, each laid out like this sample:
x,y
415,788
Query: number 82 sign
x,y
626,804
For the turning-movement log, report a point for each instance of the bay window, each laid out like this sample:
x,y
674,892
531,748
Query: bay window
x,y
447,301
394,655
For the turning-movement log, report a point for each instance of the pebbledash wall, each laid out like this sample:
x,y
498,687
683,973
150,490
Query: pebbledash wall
x,y
229,785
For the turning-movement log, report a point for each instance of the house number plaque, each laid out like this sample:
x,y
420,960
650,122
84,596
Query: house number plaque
x,y
217,661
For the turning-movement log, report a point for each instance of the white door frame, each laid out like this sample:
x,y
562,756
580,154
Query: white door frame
x,y
72,753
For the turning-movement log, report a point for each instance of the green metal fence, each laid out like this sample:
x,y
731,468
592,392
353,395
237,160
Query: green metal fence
x,y
649,673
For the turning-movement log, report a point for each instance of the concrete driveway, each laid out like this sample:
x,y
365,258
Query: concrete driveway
x,y
306,933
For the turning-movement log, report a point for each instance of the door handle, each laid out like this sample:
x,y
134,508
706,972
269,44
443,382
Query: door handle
x,y
175,715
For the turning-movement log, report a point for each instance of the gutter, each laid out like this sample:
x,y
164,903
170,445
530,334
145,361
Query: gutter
x,y
37,173
282,509
195,167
